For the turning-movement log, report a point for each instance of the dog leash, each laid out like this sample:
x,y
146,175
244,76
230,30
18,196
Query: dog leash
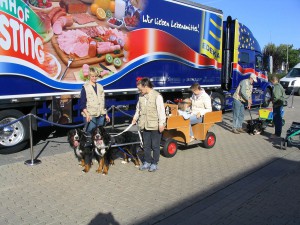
x,y
139,132
123,130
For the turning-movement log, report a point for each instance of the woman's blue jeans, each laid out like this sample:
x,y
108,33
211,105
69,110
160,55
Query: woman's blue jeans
x,y
194,120
95,122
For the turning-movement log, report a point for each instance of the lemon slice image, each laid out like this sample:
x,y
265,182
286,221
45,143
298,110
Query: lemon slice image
x,y
100,13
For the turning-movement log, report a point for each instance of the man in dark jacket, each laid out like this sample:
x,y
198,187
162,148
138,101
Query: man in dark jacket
x,y
278,100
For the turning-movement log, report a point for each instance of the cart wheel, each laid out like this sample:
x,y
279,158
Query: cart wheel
x,y
170,148
210,140
282,144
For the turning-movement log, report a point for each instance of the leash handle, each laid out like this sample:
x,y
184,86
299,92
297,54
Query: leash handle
x,y
86,125
250,114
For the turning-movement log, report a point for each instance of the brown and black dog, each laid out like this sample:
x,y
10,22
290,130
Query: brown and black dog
x,y
130,151
81,142
106,144
101,145
74,142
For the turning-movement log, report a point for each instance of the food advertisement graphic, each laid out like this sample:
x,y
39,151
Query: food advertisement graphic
x,y
51,44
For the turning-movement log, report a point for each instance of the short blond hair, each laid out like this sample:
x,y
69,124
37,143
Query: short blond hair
x,y
184,104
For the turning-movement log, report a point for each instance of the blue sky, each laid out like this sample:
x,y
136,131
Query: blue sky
x,y
271,21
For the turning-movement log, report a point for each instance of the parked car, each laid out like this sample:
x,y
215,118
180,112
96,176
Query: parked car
x,y
292,80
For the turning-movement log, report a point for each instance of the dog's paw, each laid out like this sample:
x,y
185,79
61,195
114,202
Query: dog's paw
x,y
137,166
124,162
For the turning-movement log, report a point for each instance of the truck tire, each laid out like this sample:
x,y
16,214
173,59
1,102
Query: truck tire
x,y
169,148
267,97
217,101
13,138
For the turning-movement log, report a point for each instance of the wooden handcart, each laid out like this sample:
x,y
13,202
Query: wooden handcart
x,y
177,131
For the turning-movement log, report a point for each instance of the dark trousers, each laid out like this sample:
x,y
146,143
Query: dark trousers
x,y
277,119
151,140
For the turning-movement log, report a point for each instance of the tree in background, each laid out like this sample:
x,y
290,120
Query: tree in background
x,y
279,55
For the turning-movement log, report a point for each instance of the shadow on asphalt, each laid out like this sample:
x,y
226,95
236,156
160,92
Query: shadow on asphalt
x,y
48,133
104,219
276,193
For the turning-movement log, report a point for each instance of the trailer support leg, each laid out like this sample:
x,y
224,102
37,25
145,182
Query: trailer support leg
x,y
32,161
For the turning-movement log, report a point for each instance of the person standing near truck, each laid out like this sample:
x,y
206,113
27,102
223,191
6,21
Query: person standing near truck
x,y
150,112
242,95
278,99
92,102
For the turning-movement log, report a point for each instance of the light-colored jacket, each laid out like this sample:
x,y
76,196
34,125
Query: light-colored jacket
x,y
150,111
95,104
201,104
243,93
186,115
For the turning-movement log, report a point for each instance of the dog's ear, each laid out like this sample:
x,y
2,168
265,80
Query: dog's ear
x,y
70,132
94,130
102,130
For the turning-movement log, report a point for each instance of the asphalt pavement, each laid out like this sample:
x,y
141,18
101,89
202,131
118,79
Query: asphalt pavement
x,y
244,179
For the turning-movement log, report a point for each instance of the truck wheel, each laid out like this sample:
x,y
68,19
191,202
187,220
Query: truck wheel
x,y
217,101
14,137
210,140
267,98
169,148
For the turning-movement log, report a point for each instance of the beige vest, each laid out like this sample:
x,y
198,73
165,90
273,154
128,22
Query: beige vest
x,y
94,102
237,94
148,118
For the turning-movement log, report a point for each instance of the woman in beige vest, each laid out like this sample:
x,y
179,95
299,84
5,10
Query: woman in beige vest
x,y
92,102
150,112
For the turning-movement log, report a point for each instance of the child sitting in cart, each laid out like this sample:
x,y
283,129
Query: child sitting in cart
x,y
184,109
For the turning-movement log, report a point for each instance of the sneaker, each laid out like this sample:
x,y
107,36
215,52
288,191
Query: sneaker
x,y
153,168
241,130
235,131
145,166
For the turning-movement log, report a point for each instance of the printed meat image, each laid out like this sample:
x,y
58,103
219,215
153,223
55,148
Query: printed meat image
x,y
79,33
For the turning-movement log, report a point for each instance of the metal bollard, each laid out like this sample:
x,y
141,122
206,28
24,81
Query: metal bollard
x,y
32,161
292,105
113,116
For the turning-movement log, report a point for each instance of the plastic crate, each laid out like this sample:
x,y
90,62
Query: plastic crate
x,y
265,113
